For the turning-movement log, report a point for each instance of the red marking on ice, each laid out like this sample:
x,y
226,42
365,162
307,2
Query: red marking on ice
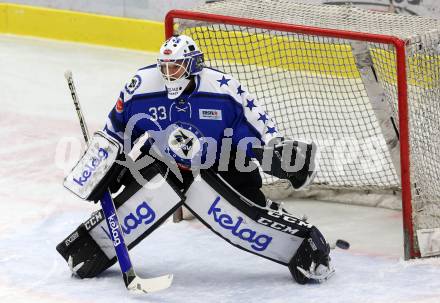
x,y
366,253
395,215
30,294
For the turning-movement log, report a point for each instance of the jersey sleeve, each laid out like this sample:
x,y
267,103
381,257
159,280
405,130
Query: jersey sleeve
x,y
253,120
129,120
116,121
120,114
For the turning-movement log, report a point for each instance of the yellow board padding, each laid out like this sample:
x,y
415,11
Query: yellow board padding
x,y
284,52
263,50
3,17
81,27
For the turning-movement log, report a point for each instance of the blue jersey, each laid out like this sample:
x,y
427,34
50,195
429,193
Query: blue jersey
x,y
218,107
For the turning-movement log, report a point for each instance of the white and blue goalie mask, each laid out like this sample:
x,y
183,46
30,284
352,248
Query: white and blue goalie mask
x,y
179,58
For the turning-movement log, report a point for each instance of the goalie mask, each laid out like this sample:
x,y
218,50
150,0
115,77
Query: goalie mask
x,y
179,59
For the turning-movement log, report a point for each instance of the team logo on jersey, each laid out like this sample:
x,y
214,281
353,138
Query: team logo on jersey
x,y
119,105
184,143
210,114
134,84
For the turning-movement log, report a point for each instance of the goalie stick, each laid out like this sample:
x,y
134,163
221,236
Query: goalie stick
x,y
131,280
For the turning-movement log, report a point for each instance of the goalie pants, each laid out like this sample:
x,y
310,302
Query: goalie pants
x,y
228,213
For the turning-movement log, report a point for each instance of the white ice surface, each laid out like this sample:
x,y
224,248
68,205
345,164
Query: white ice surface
x,y
36,213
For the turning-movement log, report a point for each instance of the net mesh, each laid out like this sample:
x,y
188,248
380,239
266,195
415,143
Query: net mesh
x,y
312,88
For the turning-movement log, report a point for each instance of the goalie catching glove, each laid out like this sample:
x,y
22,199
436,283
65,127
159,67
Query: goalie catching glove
x,y
293,160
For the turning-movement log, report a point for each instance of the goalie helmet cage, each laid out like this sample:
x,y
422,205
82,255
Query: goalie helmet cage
x,y
363,84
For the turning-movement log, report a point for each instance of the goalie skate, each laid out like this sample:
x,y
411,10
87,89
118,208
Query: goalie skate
x,y
318,273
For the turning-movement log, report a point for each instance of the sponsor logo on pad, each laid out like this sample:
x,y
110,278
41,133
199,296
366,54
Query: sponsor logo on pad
x,y
236,226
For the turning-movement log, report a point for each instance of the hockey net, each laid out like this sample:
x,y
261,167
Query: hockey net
x,y
364,85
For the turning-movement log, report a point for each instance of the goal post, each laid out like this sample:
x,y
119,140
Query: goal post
x,y
306,64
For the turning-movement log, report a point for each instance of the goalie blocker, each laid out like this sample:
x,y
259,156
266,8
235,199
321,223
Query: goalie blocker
x,y
270,233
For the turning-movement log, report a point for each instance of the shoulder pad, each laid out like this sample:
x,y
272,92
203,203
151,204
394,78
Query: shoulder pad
x,y
146,80
217,82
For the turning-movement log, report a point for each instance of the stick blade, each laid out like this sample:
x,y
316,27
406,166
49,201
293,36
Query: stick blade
x,y
139,285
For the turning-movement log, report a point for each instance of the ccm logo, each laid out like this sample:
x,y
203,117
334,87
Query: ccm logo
x,y
289,219
277,226
94,220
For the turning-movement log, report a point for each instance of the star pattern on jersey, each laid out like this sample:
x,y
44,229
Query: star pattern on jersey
x,y
240,91
263,117
224,81
271,130
250,104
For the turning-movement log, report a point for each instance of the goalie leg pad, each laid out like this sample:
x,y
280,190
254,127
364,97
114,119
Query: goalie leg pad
x,y
141,209
275,235
83,255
